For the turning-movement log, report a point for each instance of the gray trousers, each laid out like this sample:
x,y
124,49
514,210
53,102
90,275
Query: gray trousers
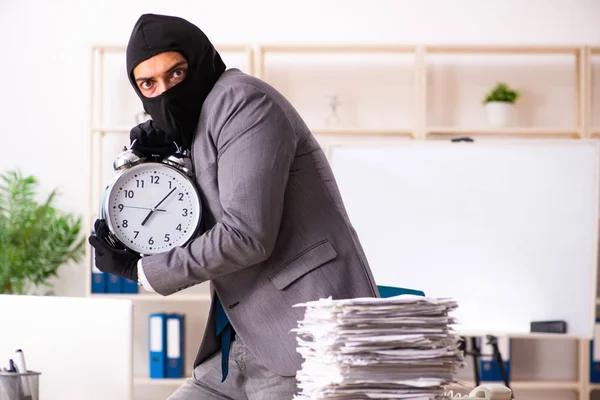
x,y
248,379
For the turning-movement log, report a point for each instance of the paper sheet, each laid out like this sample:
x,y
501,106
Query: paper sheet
x,y
401,347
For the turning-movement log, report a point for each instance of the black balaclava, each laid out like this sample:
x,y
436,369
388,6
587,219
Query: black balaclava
x,y
175,111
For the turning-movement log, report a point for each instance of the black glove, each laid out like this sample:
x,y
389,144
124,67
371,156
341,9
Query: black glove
x,y
120,262
151,140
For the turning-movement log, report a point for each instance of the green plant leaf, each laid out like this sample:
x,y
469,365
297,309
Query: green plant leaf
x,y
35,239
502,92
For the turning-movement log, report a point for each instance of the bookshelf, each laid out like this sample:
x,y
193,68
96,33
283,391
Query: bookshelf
x,y
144,381
420,78
593,86
524,57
153,297
106,129
496,132
531,385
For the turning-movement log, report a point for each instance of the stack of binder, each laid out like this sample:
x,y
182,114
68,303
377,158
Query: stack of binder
x,y
108,283
381,348
166,343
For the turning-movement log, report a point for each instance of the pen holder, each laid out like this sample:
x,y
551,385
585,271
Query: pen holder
x,y
19,386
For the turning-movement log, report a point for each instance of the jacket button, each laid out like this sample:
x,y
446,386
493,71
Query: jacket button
x,y
234,304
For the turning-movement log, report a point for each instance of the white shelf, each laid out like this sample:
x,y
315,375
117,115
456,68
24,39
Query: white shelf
x,y
146,381
468,385
527,385
548,385
225,48
156,297
317,131
501,49
112,129
324,48
522,335
362,132
520,131
594,386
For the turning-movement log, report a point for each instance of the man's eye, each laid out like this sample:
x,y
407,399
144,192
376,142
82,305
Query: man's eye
x,y
179,73
146,85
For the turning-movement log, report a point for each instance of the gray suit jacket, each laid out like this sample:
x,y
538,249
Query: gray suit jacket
x,y
275,229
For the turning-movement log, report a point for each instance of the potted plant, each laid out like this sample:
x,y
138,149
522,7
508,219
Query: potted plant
x,y
35,238
499,103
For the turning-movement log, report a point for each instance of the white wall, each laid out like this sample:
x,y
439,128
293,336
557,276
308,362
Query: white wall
x,y
45,62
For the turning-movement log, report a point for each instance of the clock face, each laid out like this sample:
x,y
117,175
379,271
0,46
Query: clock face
x,y
152,208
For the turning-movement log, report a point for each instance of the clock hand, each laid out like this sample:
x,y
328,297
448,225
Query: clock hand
x,y
156,206
146,208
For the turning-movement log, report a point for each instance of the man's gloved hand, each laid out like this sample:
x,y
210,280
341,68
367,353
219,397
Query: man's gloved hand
x,y
120,262
151,140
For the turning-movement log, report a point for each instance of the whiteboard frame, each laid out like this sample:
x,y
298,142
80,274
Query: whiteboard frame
x,y
331,144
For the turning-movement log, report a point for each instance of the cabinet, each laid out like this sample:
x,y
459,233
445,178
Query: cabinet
x,y
368,92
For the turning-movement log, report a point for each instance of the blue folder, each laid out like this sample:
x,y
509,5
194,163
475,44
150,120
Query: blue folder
x,y
157,343
99,280
391,291
114,284
128,286
175,345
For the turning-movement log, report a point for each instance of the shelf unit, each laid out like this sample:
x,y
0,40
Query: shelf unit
x,y
327,49
153,297
517,385
255,55
97,127
98,131
530,385
486,131
580,69
591,52
144,380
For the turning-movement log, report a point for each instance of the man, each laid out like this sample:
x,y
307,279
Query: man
x,y
275,231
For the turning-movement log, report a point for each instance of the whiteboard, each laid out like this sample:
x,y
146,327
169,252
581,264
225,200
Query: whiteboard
x,y
508,229
81,346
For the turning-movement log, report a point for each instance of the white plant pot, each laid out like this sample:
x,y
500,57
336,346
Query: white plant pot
x,y
499,113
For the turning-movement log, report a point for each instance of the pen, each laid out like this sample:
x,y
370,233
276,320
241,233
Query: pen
x,y
11,366
20,360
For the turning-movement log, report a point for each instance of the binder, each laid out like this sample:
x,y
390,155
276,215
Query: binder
x,y
157,342
98,277
490,370
595,354
114,284
175,345
129,286
391,291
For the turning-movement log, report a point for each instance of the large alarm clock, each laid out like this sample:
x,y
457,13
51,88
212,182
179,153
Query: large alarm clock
x,y
151,206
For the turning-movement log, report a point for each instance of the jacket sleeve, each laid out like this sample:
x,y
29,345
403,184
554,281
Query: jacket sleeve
x,y
255,144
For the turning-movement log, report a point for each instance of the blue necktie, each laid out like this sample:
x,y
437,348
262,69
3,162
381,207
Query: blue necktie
x,y
223,328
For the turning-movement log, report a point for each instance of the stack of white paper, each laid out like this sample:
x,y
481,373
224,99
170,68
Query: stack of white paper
x,y
400,347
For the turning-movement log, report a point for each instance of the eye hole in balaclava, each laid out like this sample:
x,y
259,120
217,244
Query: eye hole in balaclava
x,y
176,110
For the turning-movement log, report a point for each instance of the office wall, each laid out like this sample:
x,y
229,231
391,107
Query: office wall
x,y
45,68
45,60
